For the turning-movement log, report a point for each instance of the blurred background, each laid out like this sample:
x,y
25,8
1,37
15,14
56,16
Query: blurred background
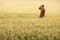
x,y
29,6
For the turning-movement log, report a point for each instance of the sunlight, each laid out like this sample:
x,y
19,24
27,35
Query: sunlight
x,y
28,6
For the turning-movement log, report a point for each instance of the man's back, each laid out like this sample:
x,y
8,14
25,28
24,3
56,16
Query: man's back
x,y
42,11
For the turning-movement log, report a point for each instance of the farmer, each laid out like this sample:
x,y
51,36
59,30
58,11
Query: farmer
x,y
42,13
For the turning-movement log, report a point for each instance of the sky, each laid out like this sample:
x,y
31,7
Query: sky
x,y
28,6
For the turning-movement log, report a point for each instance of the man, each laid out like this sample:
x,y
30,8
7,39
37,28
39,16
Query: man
x,y
42,14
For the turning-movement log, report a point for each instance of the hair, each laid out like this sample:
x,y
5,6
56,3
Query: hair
x,y
42,5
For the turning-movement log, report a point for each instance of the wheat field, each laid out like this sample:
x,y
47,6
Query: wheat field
x,y
29,27
19,20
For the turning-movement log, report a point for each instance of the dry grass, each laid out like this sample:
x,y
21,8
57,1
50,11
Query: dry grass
x,y
29,27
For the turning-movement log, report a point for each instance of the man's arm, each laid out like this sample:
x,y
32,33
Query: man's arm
x,y
40,8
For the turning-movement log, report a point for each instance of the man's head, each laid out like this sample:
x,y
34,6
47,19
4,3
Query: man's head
x,y
42,6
